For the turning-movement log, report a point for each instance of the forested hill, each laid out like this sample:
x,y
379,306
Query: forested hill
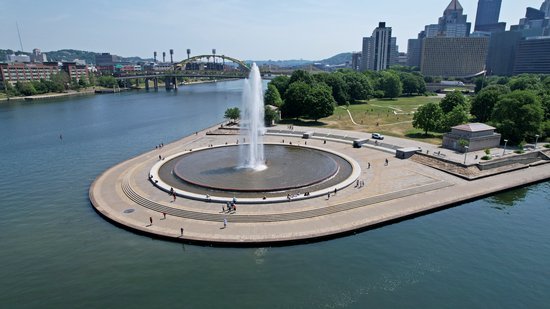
x,y
72,54
67,55
334,60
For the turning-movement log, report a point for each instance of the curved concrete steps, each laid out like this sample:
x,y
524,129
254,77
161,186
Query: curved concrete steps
x,y
287,216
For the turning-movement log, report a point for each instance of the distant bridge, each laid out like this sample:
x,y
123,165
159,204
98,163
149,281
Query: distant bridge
x,y
212,67
197,67
189,64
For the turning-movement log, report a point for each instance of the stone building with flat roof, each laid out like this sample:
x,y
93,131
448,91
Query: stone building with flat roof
x,y
478,135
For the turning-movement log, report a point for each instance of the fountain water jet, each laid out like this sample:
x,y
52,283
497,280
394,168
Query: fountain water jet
x,y
252,121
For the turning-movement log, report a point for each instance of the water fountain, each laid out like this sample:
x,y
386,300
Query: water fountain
x,y
252,122
254,168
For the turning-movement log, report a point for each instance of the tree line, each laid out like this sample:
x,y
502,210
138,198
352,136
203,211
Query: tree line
x,y
314,96
58,83
518,107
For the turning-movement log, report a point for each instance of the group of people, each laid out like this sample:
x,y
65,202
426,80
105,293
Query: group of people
x,y
229,207
291,196
159,146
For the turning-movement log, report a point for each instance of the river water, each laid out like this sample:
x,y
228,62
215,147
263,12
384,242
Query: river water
x,y
56,252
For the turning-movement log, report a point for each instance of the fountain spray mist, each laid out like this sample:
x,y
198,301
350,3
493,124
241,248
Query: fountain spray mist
x,y
252,121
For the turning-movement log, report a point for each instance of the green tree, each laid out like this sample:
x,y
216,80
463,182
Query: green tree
x,y
545,100
294,105
107,81
459,115
357,86
337,84
428,117
281,83
420,83
452,100
525,82
301,76
82,82
480,83
518,116
91,79
39,86
60,80
270,115
25,88
391,85
272,96
411,83
486,99
10,90
319,102
232,113
74,84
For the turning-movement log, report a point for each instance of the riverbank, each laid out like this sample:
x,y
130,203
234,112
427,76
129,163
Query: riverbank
x,y
49,96
399,190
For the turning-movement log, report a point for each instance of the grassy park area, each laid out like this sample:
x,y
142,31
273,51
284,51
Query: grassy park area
x,y
390,117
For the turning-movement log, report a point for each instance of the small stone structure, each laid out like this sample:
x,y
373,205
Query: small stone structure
x,y
478,135
405,153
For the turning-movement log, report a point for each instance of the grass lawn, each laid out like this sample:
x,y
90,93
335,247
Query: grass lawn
x,y
2,95
390,117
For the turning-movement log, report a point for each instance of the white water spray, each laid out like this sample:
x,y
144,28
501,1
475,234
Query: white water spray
x,y
252,121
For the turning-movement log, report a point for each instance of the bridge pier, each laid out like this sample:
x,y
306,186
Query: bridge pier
x,y
156,83
171,82
146,84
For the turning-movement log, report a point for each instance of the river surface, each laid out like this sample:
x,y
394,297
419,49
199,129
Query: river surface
x,y
56,252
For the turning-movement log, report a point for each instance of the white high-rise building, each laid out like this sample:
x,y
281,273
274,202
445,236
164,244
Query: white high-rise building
x,y
380,50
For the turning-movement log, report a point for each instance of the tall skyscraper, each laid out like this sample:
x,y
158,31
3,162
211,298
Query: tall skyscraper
x,y
488,12
535,22
454,23
545,7
380,50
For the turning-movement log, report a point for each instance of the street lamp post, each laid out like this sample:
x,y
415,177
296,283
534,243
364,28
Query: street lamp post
x,y
504,151
465,153
536,141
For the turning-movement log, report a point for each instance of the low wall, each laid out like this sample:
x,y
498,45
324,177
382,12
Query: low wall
x,y
526,159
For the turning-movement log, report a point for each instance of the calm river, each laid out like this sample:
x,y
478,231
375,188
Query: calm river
x,y
56,252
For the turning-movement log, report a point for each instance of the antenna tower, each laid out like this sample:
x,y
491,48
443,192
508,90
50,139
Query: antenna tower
x,y
19,34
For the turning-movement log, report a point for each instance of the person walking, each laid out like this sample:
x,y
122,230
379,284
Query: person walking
x,y
174,195
151,220
181,231
164,215
224,222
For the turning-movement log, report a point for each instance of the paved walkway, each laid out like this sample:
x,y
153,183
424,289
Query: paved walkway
x,y
403,188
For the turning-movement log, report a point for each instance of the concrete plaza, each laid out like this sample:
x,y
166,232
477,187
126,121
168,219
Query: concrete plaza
x,y
401,189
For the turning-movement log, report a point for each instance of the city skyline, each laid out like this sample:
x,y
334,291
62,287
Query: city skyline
x,y
248,30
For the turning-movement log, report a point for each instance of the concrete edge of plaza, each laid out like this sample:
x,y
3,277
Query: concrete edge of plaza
x,y
423,204
159,183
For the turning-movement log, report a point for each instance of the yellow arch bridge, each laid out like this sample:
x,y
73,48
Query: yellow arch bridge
x,y
197,67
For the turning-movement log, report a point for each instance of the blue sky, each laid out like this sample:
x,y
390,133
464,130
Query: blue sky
x,y
245,29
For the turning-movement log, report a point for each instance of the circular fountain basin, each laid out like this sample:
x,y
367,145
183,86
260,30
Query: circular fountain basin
x,y
288,167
